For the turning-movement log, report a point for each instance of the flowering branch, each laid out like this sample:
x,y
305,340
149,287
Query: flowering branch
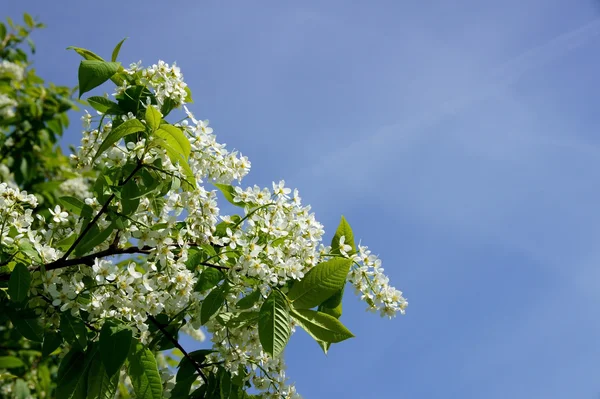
x,y
88,260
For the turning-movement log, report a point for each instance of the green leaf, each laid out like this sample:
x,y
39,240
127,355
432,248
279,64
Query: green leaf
x,y
92,240
229,193
182,387
19,282
93,73
100,385
126,128
115,53
177,154
186,368
178,135
144,373
28,20
72,204
10,362
188,97
71,378
320,283
73,330
249,300
321,326
52,340
243,319
21,390
115,341
104,105
44,380
27,324
209,278
212,303
225,385
274,324
345,230
86,54
333,305
153,118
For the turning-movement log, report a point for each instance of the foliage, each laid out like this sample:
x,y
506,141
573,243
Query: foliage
x,y
106,258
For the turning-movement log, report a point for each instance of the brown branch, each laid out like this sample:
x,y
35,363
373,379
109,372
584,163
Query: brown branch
x,y
178,346
102,211
88,260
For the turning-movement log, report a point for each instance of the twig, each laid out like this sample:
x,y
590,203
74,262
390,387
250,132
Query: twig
x,y
178,346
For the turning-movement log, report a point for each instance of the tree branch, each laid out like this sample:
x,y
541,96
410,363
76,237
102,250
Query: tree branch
x,y
102,211
88,260
178,346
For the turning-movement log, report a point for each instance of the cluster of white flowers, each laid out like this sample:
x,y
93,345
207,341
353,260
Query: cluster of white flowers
x,y
7,106
15,214
373,286
276,239
76,187
209,158
166,81
14,72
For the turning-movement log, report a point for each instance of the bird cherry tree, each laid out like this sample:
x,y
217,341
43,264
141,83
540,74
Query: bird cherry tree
x,y
107,258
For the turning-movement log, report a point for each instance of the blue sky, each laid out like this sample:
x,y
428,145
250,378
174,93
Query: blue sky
x,y
460,139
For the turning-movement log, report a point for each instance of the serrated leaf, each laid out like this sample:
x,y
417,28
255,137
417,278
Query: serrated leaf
x,y
72,204
274,324
249,300
115,53
73,330
100,385
10,362
52,341
104,105
225,386
19,282
212,303
209,278
71,378
344,230
153,118
143,373
126,128
92,73
178,135
320,283
333,305
176,154
115,341
321,326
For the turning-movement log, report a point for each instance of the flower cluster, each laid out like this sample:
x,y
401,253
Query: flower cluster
x,y
7,106
15,214
12,71
150,207
373,285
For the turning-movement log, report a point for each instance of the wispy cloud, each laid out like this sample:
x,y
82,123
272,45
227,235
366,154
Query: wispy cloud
x,y
372,151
